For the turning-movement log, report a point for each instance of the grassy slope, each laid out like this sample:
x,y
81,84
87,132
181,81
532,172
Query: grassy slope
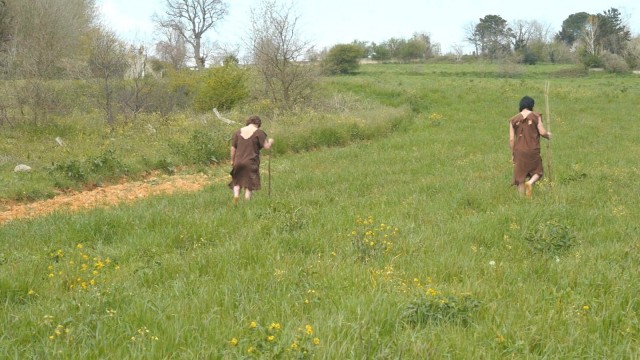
x,y
195,271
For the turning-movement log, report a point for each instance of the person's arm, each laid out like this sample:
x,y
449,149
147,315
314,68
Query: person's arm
x,y
233,155
268,143
543,132
512,136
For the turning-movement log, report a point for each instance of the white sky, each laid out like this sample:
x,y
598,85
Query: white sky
x,y
329,22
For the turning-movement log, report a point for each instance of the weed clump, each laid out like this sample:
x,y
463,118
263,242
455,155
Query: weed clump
x,y
434,308
550,238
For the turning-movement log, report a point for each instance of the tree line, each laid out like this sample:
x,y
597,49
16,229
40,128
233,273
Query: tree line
x,y
44,41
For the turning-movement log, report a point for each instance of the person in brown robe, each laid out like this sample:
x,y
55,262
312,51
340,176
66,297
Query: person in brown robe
x,y
525,129
246,144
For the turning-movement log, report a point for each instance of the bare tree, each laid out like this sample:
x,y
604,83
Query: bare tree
x,y
278,52
458,51
472,37
192,19
40,40
590,35
108,62
172,48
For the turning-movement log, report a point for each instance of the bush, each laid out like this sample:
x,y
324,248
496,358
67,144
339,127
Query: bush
x,y
590,60
202,148
222,88
615,63
343,59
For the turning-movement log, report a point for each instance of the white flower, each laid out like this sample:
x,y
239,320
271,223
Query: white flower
x,y
492,263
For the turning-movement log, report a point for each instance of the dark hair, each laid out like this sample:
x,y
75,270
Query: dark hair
x,y
527,103
254,119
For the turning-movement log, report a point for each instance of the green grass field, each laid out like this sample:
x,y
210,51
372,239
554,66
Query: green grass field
x,y
406,243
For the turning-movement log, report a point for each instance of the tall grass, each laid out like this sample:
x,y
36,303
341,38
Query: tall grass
x,y
464,271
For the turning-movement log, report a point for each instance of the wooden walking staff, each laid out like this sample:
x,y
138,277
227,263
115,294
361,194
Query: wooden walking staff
x,y
548,116
269,171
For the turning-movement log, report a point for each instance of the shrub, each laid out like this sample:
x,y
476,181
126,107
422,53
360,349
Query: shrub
x,y
202,148
343,59
615,63
222,87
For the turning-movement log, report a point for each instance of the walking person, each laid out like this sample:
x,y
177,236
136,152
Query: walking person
x,y
525,129
246,144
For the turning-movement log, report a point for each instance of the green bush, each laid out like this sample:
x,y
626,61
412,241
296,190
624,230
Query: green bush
x,y
222,87
343,59
203,147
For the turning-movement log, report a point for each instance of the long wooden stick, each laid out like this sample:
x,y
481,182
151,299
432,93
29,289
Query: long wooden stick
x,y
548,127
269,172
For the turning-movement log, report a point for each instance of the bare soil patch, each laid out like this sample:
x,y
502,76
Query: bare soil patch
x,y
107,196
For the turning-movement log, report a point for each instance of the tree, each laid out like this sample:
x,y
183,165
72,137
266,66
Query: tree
x,y
108,62
472,37
573,28
343,59
192,19
412,49
380,52
425,40
172,49
278,51
613,34
530,38
46,40
493,36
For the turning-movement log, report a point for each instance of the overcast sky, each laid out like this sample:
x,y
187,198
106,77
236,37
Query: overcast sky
x,y
329,22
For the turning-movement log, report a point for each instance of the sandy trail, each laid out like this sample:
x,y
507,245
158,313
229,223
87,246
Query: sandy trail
x,y
108,196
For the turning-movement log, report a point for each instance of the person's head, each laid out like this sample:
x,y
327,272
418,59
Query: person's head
x,y
255,120
527,103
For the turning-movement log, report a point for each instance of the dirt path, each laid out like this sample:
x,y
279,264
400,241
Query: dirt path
x,y
108,196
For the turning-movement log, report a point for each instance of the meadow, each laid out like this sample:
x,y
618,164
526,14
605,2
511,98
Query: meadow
x,y
391,232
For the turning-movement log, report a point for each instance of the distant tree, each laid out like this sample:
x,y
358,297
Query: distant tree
x,y
172,48
394,45
530,38
108,62
473,37
632,53
493,36
412,49
425,40
573,28
458,51
5,23
380,52
278,52
613,33
192,19
591,49
43,40
343,59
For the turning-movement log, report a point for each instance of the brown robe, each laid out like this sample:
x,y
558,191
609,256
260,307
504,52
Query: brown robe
x,y
246,165
526,148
